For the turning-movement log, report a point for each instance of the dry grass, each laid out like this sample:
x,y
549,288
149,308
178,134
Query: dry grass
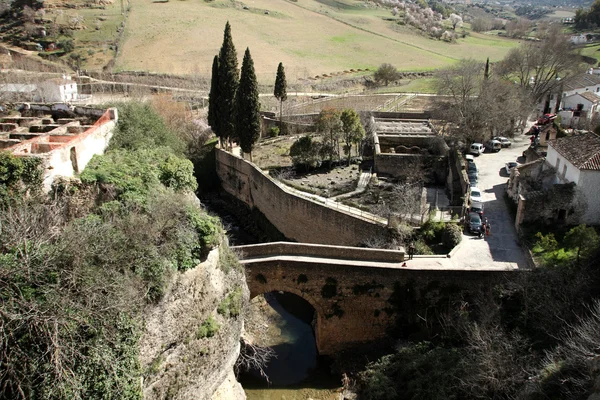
x,y
311,38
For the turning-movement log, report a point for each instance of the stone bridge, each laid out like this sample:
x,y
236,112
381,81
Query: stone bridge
x,y
358,294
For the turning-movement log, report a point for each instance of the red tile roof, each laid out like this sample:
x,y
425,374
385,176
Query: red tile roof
x,y
582,150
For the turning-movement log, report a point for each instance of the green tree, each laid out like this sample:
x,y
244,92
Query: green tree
x,y
228,83
213,97
352,130
386,73
305,153
247,107
584,239
330,126
280,92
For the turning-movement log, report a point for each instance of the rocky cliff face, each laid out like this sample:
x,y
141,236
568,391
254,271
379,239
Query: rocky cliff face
x,y
192,337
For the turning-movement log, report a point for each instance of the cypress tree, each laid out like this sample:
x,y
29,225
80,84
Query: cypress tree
x,y
247,106
213,96
228,83
280,92
486,73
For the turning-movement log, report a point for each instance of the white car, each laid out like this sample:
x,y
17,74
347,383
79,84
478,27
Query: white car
x,y
475,195
476,149
503,141
509,166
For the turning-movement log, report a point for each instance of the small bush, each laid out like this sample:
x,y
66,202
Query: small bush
x,y
329,289
208,328
231,305
273,131
451,235
432,230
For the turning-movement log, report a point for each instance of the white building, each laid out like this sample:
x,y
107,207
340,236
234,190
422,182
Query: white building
x,y
580,84
579,107
58,90
577,159
578,39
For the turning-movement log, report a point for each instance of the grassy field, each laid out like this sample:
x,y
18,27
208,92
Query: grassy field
x,y
310,37
592,50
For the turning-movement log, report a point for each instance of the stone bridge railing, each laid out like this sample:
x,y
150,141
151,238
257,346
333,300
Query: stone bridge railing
x,y
357,254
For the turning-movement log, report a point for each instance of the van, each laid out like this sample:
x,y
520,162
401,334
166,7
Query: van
x,y
493,145
476,148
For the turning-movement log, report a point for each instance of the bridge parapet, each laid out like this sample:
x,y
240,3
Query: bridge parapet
x,y
319,250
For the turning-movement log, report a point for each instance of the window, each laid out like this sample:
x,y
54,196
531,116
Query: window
x,y
565,170
557,164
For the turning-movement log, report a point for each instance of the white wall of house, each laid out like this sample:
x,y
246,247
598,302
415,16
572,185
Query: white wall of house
x,y
573,100
578,39
558,162
589,184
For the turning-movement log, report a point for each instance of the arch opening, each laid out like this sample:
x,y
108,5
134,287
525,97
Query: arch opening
x,y
283,321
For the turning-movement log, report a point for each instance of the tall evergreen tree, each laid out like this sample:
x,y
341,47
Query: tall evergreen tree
x,y
280,92
247,106
227,83
213,96
486,72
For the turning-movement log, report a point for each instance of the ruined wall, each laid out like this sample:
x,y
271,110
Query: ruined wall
x,y
297,218
180,365
73,156
359,304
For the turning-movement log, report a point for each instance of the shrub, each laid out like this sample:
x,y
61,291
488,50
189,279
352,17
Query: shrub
x,y
231,305
273,131
140,127
329,290
306,153
432,230
208,328
451,235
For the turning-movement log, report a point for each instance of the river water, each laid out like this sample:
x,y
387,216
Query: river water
x,y
297,372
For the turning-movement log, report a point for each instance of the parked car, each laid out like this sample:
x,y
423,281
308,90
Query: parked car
x,y
493,145
509,166
469,158
475,195
476,149
473,222
472,178
546,119
472,167
477,208
504,142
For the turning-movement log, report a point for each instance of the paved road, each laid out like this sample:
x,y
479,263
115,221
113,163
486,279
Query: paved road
x,y
501,249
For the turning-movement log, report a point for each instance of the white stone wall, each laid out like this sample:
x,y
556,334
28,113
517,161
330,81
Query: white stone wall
x,y
59,161
572,173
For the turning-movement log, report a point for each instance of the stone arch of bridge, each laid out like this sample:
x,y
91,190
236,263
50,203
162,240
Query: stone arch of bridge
x,y
307,297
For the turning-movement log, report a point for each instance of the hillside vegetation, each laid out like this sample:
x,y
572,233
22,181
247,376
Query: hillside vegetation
x,y
78,270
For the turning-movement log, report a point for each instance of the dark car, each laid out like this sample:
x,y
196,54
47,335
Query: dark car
x,y
472,178
477,208
472,167
546,119
474,222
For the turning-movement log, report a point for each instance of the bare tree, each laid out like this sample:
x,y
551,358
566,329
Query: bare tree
x,y
541,67
471,103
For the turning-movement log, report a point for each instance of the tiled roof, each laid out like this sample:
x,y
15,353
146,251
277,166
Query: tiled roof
x,y
590,96
582,150
581,82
